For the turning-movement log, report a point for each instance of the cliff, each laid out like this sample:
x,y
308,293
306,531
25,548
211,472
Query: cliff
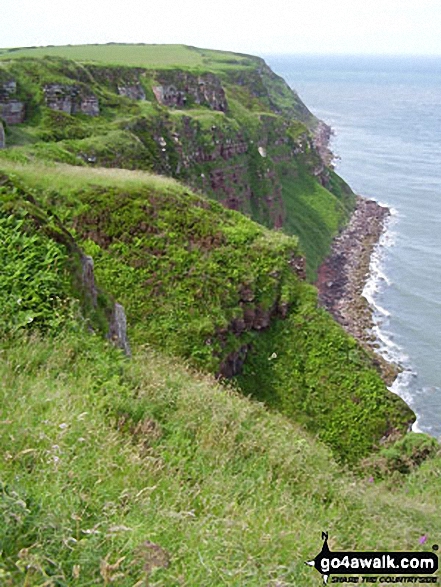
x,y
162,468
230,128
198,279
211,286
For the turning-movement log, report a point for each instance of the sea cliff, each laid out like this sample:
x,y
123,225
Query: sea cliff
x,y
177,407
210,263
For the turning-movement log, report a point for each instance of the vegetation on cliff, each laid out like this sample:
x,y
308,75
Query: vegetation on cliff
x,y
225,124
143,471
211,286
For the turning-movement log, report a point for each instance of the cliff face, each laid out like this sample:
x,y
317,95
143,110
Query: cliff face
x,y
206,284
198,280
237,134
11,110
70,99
182,89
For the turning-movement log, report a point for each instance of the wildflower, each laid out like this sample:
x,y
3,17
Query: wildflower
x,y
423,539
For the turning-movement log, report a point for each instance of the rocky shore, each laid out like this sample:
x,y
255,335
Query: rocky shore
x,y
343,275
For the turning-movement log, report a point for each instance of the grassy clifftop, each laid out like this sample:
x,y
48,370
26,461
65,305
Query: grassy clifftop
x,y
140,55
223,123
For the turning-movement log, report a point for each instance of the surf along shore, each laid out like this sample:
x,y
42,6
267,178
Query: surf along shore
x,y
345,272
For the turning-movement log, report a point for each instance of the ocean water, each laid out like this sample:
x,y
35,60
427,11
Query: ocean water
x,y
386,115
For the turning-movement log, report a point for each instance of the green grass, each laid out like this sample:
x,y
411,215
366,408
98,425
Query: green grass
x,y
190,143
179,264
313,213
145,473
147,56
134,55
46,176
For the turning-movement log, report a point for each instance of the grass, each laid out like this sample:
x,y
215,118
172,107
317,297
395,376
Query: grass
x,y
216,153
145,472
45,176
221,492
202,283
313,213
141,55
134,55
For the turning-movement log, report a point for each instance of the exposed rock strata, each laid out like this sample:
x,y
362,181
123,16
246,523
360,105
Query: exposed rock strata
x,y
70,99
8,88
133,91
254,318
180,89
11,110
322,137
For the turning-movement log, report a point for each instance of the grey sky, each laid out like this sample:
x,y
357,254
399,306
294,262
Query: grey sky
x,y
272,26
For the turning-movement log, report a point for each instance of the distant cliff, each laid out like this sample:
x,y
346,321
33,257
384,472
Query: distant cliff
x,y
234,131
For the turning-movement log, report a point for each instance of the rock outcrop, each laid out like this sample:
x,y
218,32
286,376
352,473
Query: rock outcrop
x,y
118,329
117,320
71,99
12,110
321,138
134,91
181,89
88,278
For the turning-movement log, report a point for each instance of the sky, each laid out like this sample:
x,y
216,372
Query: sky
x,y
257,27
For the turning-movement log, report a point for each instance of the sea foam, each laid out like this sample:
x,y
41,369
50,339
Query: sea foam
x,y
385,345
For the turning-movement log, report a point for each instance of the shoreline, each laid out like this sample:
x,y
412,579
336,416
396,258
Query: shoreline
x,y
343,275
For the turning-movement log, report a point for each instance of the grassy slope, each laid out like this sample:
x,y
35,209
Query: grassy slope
x,y
162,473
180,271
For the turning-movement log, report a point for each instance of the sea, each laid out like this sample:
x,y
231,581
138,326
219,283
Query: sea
x,y
385,112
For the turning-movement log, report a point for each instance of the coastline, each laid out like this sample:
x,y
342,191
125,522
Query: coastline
x,y
344,273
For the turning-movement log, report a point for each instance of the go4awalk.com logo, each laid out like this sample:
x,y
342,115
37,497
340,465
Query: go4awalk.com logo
x,y
385,565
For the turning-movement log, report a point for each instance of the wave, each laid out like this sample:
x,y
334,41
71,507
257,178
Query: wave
x,y
377,276
385,345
